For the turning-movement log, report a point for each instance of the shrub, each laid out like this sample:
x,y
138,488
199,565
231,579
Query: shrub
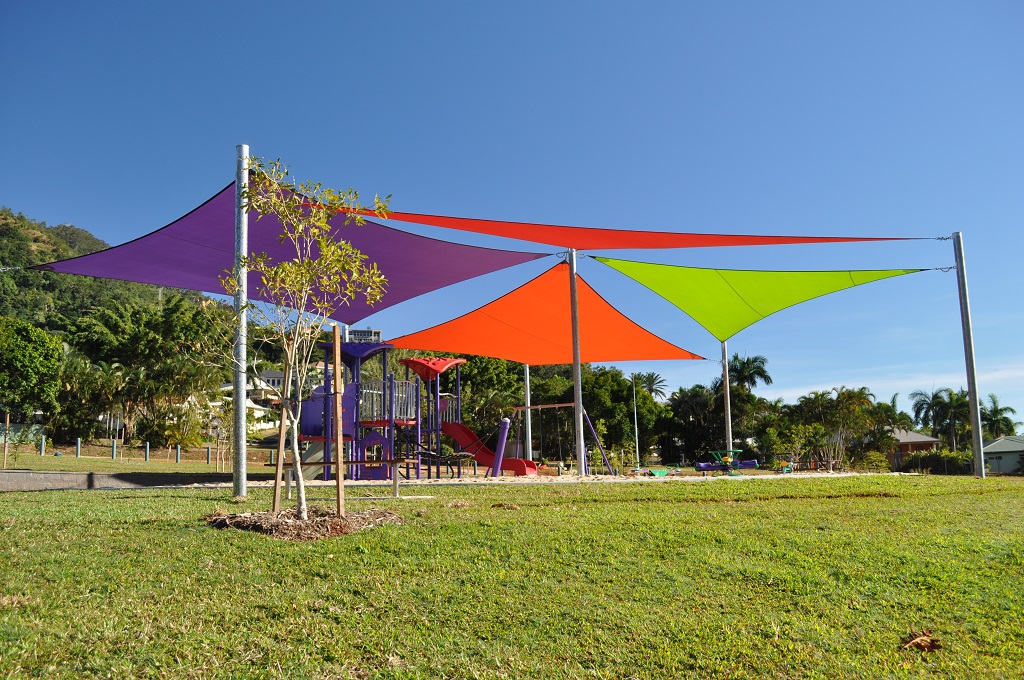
x,y
940,461
872,460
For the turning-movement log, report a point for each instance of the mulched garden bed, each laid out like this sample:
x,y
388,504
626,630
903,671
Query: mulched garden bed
x,y
322,522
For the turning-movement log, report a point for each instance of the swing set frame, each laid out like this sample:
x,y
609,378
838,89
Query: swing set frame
x,y
518,412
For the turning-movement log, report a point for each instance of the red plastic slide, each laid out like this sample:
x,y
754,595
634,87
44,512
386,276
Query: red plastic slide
x,y
468,440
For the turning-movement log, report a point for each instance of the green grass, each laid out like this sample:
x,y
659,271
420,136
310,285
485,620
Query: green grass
x,y
782,578
129,459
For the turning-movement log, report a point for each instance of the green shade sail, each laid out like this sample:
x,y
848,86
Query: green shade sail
x,y
725,301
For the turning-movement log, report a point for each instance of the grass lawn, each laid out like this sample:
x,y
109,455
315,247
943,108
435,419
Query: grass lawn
x,y
129,459
765,577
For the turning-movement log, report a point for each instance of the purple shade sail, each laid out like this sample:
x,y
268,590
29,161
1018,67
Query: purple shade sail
x,y
194,250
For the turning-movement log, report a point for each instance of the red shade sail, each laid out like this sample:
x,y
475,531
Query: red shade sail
x,y
588,238
533,325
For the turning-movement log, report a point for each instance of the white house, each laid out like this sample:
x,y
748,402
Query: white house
x,y
1005,455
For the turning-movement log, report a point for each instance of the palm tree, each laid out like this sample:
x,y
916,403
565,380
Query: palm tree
x,y
885,418
748,371
957,416
653,384
996,419
110,383
928,409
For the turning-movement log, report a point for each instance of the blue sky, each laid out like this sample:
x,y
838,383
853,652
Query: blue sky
x,y
862,119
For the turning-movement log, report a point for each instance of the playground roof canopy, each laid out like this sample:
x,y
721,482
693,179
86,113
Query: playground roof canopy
x,y
195,250
533,325
589,238
725,301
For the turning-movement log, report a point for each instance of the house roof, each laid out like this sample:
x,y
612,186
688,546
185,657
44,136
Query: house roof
x,y
1009,444
911,437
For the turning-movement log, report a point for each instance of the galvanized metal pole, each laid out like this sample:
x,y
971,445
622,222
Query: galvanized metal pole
x,y
577,389
636,423
529,423
725,393
972,377
241,335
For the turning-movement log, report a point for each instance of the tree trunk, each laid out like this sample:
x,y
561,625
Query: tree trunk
x,y
300,481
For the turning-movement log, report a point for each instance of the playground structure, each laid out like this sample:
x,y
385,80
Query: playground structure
x,y
392,428
727,463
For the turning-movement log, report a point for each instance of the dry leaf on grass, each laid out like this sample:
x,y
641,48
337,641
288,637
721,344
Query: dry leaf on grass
x,y
922,641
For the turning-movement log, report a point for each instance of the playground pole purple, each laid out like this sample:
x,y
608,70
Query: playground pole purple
x,y
437,423
458,394
328,415
391,431
419,428
391,422
499,452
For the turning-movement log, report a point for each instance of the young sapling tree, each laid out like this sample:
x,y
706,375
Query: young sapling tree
x,y
299,292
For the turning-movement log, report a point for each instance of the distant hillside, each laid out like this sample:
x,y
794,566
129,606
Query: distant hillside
x,y
46,299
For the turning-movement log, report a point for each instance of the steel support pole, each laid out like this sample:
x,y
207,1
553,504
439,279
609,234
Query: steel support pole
x,y
636,423
529,423
972,378
577,389
241,335
725,393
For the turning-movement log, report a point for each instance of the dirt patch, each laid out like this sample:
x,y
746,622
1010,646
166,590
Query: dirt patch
x,y
286,525
14,601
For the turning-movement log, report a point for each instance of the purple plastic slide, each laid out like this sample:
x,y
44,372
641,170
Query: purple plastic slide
x,y
468,440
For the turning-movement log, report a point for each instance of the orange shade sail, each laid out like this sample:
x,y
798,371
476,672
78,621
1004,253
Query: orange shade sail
x,y
533,325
